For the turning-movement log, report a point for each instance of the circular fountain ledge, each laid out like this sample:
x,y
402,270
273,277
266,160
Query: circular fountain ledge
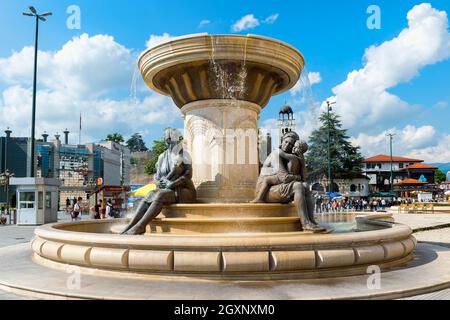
x,y
273,255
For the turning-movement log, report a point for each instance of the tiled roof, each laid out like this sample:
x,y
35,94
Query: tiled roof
x,y
411,181
386,158
420,166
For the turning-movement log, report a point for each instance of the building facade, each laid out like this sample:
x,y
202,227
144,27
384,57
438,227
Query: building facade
x,y
378,170
355,186
410,176
78,167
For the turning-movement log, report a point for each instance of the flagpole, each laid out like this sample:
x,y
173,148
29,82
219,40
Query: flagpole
x,y
79,133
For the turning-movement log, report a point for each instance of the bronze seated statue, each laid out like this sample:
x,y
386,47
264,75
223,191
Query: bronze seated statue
x,y
282,180
174,181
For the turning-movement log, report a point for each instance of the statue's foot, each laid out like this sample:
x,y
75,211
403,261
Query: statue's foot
x,y
135,230
257,201
314,227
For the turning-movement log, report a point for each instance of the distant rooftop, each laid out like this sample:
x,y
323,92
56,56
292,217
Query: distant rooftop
x,y
419,166
385,158
411,181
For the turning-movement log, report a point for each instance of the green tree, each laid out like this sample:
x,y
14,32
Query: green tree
x,y
116,137
159,146
439,176
136,143
346,159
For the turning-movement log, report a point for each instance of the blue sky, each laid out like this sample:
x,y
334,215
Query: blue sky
x,y
332,35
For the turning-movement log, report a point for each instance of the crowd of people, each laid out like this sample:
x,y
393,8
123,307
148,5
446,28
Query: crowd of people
x,y
323,204
100,211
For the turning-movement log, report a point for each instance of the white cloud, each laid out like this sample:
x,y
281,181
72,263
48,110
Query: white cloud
x,y
155,39
90,75
416,142
311,79
363,98
405,140
84,66
271,19
56,111
204,23
437,153
245,23
314,78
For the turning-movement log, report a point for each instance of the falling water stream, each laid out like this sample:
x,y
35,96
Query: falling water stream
x,y
225,84
133,87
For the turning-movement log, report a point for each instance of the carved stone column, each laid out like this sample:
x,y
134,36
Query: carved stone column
x,y
222,138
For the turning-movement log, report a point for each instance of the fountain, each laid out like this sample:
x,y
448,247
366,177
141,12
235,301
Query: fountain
x,y
221,83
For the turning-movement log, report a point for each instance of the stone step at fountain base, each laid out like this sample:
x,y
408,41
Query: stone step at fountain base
x,y
219,225
229,210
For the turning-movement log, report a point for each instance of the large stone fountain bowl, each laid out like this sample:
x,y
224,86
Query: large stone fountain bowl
x,y
263,255
202,66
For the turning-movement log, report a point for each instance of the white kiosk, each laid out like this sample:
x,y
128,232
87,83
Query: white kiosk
x,y
37,200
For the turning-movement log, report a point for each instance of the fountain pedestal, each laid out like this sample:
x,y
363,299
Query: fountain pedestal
x,y
222,138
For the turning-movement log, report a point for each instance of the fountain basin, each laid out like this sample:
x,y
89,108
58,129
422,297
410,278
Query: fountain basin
x,y
186,68
246,255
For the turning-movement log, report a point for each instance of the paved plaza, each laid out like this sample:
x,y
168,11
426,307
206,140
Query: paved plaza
x,y
13,235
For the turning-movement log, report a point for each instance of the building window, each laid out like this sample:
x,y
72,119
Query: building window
x,y
26,200
400,165
352,188
48,200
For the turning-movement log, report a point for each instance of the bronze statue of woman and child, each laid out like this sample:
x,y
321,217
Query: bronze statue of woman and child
x,y
282,180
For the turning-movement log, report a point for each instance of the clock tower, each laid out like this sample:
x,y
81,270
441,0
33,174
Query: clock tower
x,y
285,120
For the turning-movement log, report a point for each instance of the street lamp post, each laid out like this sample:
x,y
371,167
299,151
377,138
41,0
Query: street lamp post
x,y
329,144
33,13
391,136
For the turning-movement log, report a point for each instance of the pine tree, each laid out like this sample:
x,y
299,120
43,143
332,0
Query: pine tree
x,y
346,160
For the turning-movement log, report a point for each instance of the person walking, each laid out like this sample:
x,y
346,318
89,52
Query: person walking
x,y
109,210
97,208
76,211
383,204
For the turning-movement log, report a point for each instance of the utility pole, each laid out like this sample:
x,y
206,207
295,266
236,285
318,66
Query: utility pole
x,y
391,180
330,179
122,167
38,17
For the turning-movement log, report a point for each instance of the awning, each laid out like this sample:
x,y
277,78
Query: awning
x,y
143,191
383,195
334,195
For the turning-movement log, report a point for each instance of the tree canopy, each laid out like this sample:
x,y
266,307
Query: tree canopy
x,y
159,146
136,143
439,176
116,137
346,159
